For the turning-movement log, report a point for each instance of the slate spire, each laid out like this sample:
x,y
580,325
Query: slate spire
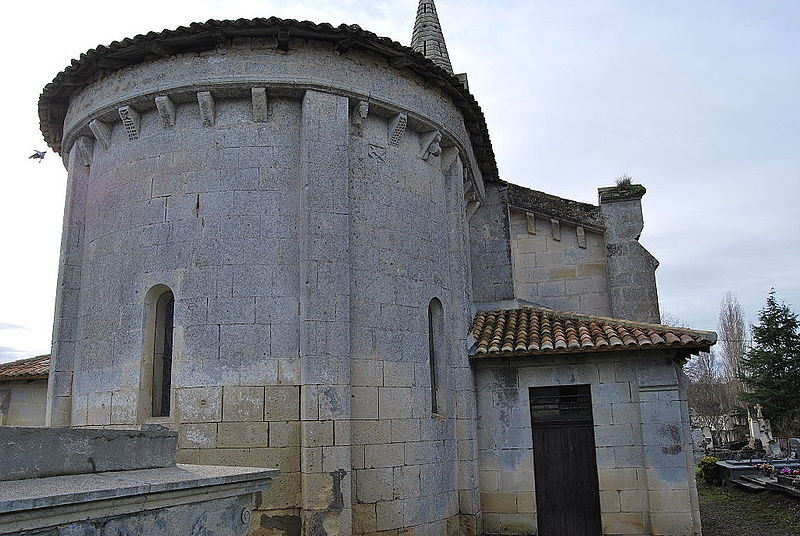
x,y
428,38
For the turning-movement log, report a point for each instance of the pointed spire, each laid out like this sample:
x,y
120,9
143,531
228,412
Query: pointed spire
x,y
428,38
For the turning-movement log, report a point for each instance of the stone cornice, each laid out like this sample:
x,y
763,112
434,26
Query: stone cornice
x,y
198,37
545,204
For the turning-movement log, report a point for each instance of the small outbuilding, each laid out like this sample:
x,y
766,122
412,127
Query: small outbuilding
x,y
23,391
583,424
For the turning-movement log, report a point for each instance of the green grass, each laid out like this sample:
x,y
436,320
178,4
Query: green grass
x,y
728,511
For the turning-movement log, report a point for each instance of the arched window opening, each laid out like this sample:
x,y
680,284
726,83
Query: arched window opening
x,y
435,330
161,380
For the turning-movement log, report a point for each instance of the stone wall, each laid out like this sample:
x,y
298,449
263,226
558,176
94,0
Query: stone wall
x,y
559,265
490,254
407,247
23,403
303,233
631,268
641,434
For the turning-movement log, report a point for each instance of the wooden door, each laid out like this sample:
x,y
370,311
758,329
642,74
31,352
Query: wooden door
x,y
567,497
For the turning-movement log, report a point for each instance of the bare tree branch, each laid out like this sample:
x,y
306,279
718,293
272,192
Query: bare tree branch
x,y
733,338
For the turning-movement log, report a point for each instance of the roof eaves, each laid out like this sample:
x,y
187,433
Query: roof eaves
x,y
54,99
567,210
692,348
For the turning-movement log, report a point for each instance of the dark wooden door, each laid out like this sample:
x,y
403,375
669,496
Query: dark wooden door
x,y
567,497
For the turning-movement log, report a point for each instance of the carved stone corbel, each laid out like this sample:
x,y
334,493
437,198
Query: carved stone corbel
x,y
431,144
472,203
84,150
397,126
206,103
581,234
359,115
101,132
166,110
450,156
530,220
130,120
556,228
259,97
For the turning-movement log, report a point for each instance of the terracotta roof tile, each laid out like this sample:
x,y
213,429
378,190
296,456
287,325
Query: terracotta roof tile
x,y
536,330
30,368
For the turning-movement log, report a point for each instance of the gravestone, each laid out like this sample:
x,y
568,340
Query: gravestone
x,y
794,448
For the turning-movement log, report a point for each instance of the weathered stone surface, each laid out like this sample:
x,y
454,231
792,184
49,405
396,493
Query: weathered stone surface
x,y
639,430
305,208
43,452
182,499
631,267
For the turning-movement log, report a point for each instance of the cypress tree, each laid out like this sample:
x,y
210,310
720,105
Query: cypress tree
x,y
771,368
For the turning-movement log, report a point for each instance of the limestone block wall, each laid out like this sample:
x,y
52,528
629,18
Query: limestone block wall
x,y
405,459
490,254
212,214
23,403
303,227
646,478
558,264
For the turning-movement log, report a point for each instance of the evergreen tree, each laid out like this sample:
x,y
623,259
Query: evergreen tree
x,y
771,368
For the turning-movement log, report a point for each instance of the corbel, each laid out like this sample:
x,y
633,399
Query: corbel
x,y
130,120
556,227
102,132
472,202
581,233
360,113
259,97
397,126
449,158
84,149
206,103
431,144
530,219
166,110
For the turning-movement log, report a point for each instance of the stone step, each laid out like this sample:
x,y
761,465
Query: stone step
x,y
747,484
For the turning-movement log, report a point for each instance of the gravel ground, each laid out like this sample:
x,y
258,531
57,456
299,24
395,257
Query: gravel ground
x,y
733,512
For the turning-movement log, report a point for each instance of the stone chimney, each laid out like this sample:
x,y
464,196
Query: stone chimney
x,y
631,268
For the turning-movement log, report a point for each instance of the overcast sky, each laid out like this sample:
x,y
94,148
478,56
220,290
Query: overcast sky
x,y
698,100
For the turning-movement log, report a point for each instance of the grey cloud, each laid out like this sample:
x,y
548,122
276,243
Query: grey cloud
x,y
7,325
10,354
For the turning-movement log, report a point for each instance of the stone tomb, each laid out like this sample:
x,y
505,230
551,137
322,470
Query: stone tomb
x,y
58,481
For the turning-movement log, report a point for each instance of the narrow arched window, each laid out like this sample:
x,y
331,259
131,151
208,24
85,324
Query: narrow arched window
x,y
161,380
435,329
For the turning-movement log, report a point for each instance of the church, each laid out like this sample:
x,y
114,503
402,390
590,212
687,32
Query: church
x,y
290,243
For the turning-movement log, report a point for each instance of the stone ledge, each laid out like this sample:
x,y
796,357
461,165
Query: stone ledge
x,y
16,495
610,194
